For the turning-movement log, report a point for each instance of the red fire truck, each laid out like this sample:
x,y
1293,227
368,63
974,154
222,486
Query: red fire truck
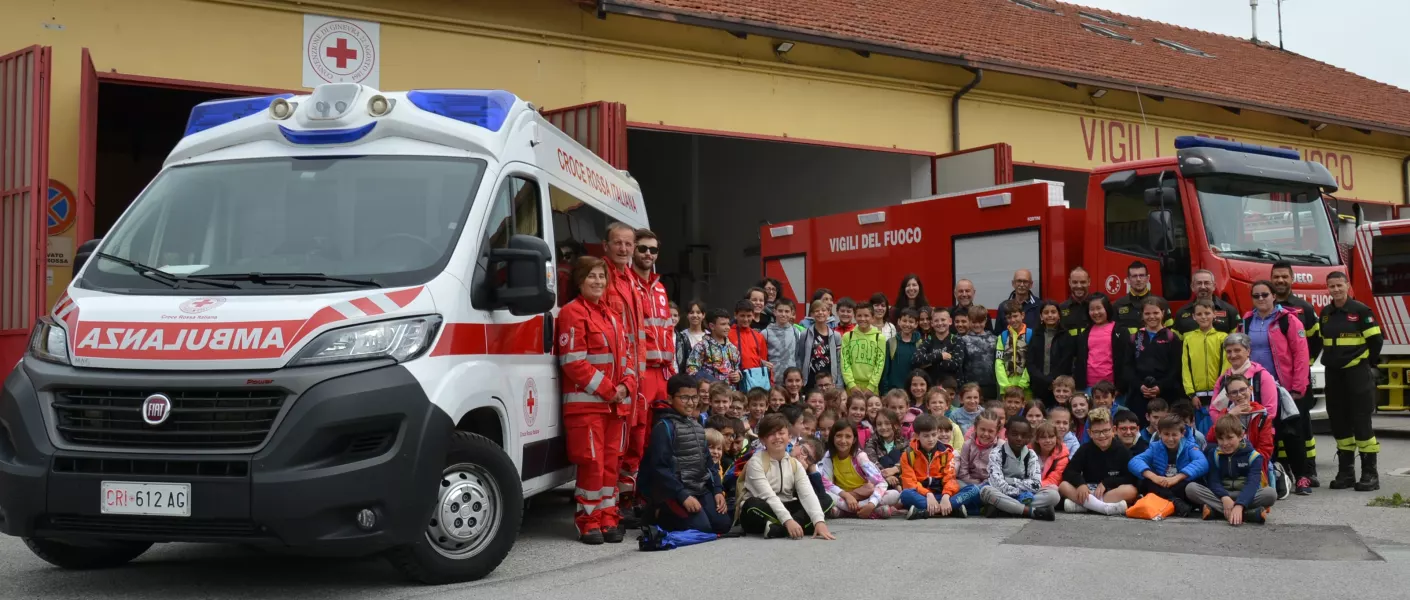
x,y
1228,207
1380,277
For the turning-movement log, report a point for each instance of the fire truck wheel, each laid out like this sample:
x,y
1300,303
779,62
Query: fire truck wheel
x,y
475,519
98,555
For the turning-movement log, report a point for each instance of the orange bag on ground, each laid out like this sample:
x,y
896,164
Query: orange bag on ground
x,y
1151,508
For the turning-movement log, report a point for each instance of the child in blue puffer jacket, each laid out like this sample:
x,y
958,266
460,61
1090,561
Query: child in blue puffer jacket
x,y
1167,468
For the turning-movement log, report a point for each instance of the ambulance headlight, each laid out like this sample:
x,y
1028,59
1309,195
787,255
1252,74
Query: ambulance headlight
x,y
49,342
401,340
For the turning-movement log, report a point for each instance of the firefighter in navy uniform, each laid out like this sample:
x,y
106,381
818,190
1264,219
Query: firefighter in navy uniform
x,y
1282,278
1226,316
1128,307
1073,311
1351,349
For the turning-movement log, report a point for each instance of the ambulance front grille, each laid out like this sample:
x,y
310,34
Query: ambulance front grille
x,y
198,419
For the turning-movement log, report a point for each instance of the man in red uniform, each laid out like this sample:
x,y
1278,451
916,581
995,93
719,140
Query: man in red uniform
x,y
658,346
625,299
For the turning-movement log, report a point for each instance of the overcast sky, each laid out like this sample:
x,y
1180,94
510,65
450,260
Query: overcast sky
x,y
1366,37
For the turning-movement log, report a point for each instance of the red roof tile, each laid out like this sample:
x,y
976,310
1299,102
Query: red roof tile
x,y
1004,36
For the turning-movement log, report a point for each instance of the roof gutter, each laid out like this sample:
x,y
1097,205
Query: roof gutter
x,y
955,109
629,8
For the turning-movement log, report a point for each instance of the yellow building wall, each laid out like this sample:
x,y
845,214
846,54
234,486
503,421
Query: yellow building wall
x,y
553,53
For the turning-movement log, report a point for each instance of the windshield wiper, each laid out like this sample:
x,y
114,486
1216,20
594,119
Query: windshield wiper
x,y
163,277
1307,256
293,278
1255,252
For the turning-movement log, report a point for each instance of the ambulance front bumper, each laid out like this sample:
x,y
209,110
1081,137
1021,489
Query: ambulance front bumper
x,y
349,438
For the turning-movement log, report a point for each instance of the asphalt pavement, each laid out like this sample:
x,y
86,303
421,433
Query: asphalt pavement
x,y
1328,545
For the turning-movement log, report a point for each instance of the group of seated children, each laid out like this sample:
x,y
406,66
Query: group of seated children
x,y
782,469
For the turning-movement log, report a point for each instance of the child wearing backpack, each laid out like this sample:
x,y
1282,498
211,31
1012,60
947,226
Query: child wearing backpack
x,y
1235,489
1202,360
901,351
928,473
1016,478
858,486
863,352
1011,348
973,469
979,345
1166,478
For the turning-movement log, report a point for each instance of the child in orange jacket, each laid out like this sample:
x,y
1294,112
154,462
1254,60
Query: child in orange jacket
x,y
1053,452
928,471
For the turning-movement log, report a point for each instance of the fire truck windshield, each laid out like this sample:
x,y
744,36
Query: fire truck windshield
x,y
283,225
1266,221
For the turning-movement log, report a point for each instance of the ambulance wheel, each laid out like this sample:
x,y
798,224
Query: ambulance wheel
x,y
98,555
478,506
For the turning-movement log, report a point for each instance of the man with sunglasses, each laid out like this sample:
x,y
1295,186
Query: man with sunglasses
x,y
656,338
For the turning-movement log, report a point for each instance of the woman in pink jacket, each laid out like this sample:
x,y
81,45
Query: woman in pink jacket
x,y
1279,344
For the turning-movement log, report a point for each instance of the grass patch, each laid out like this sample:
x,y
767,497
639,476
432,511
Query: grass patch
x,y
1393,501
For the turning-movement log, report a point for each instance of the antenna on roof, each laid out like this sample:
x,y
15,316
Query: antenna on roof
x,y
1280,24
1253,4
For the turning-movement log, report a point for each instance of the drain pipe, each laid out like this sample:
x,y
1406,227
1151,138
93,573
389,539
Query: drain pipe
x,y
1404,181
955,109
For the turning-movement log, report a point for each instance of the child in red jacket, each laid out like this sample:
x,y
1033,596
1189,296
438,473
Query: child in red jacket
x,y
1236,398
1053,452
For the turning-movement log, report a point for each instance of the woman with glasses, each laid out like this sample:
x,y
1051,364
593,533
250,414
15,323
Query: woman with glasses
x,y
1278,343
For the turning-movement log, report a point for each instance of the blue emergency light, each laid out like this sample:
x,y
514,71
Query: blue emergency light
x,y
483,108
1191,141
316,137
219,112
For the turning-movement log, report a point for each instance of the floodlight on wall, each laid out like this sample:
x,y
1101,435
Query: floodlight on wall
x,y
1319,127
783,47
1098,93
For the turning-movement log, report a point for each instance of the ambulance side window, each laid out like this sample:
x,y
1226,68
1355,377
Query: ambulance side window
x,y
517,210
1127,231
579,228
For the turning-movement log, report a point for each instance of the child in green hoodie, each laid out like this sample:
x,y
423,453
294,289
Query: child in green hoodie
x,y
863,353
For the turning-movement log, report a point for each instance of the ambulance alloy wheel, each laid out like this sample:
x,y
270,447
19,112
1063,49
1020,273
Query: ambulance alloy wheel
x,y
478,507
98,555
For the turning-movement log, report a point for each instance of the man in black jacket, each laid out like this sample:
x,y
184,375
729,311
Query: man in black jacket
x,y
675,471
1128,307
1075,316
1226,316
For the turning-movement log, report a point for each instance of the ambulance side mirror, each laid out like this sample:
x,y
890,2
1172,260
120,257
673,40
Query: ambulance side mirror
x,y
528,264
81,255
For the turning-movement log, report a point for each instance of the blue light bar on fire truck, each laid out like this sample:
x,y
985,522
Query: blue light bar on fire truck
x,y
1191,141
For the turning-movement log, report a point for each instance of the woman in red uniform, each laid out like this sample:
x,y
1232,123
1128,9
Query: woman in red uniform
x,y
595,399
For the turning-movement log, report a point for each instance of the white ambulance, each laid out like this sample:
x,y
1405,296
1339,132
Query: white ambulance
x,y
325,326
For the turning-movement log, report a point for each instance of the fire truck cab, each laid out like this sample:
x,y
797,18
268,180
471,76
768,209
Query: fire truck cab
x,y
324,327
1228,207
1380,277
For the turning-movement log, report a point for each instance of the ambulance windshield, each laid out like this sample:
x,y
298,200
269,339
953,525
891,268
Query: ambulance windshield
x,y
332,222
1266,221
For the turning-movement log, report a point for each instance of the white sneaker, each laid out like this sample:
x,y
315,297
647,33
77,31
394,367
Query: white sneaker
x,y
1069,506
1118,509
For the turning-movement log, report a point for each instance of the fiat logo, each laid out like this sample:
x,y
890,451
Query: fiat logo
x,y
155,409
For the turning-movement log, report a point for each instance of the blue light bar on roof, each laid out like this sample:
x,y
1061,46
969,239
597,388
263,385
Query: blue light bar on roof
x,y
1191,141
219,112
482,108
318,137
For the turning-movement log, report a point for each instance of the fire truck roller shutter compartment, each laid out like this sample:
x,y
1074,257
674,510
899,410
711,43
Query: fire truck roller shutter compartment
x,y
990,259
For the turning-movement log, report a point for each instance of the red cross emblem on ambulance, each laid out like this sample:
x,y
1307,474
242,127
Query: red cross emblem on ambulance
x,y
531,403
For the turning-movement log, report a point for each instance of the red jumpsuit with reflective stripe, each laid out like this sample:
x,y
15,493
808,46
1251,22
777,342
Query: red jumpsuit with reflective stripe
x,y
624,297
659,351
589,350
